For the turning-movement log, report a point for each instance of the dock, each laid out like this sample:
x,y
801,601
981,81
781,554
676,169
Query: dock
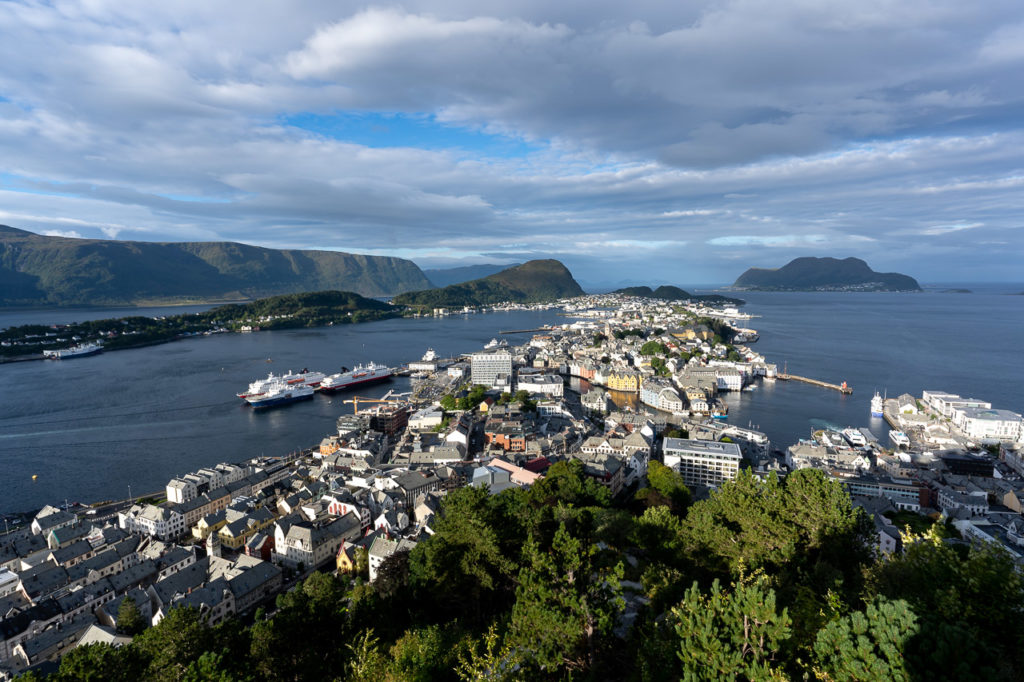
x,y
842,388
527,331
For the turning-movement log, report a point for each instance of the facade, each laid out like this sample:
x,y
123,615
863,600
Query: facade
x,y
542,383
988,424
626,381
703,462
487,367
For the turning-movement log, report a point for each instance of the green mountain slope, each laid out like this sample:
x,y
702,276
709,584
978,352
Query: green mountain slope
x,y
40,270
824,274
671,293
442,277
531,282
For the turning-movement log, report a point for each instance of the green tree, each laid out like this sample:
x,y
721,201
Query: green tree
x,y
462,569
448,403
101,663
670,485
129,620
653,348
867,645
566,602
172,645
969,602
489,660
731,636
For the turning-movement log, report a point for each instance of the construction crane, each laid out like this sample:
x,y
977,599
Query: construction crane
x,y
386,399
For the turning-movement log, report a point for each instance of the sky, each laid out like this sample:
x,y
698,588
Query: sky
x,y
640,142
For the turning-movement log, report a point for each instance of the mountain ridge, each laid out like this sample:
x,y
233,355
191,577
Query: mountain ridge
x,y
41,270
809,273
442,277
535,281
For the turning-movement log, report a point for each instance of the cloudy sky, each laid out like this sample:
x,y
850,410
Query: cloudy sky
x,y
647,141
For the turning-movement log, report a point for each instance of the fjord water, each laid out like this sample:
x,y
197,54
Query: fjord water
x,y
91,427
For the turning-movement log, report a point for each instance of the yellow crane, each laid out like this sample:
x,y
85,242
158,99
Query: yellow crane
x,y
385,399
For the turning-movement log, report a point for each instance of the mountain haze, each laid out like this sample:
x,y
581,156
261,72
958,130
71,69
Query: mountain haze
x,y
532,282
41,270
824,274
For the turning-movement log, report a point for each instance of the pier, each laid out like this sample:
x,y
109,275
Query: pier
x,y
526,331
842,388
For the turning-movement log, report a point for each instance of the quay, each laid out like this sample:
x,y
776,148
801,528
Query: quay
x,y
842,388
527,331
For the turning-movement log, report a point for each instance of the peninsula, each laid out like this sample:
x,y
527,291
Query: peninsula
x,y
28,342
535,281
37,270
672,293
824,274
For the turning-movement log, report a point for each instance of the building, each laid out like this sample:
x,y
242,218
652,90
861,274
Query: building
x,y
987,424
626,381
702,462
542,383
486,367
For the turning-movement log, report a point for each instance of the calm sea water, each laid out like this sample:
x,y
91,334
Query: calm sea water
x,y
89,428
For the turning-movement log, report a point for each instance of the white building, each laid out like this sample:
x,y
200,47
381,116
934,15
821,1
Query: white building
x,y
541,383
486,367
988,424
703,462
159,522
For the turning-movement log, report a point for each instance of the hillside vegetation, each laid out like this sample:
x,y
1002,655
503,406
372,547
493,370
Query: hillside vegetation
x,y
40,270
442,277
532,282
671,293
824,274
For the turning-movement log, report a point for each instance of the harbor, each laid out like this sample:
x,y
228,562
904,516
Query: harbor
x,y
842,388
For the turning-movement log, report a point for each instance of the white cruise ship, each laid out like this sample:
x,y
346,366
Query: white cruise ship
x,y
79,351
362,374
281,393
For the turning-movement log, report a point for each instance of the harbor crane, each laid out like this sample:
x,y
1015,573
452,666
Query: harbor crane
x,y
387,399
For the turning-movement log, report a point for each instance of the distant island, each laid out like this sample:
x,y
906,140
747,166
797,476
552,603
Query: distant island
x,y
314,309
824,274
536,281
671,293
36,270
956,291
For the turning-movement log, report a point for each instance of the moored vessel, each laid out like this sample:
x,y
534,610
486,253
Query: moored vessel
x,y
78,351
281,394
362,374
876,406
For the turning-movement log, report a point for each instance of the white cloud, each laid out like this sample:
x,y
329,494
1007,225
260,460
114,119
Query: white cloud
x,y
728,127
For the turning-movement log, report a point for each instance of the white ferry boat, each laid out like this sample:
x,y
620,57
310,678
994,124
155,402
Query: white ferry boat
x,y
877,406
429,356
362,374
78,351
899,439
854,437
280,393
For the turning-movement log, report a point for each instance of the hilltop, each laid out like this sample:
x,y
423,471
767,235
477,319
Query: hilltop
x,y
532,282
671,293
442,277
824,274
41,270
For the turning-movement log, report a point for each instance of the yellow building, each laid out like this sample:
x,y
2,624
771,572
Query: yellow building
x,y
211,523
623,381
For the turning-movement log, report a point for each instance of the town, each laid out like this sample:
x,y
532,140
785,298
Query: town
x,y
629,387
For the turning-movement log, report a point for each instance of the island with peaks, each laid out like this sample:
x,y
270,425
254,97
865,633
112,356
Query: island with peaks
x,y
824,274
